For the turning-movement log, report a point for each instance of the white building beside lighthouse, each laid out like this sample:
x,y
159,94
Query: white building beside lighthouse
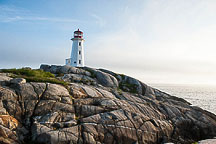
x,y
77,52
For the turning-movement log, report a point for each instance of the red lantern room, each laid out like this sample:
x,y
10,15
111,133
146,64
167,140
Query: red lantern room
x,y
78,34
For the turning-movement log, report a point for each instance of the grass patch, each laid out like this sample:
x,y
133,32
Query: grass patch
x,y
34,75
29,72
49,80
120,92
132,88
59,74
76,117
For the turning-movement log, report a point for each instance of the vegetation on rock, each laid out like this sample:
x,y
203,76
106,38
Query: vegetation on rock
x,y
132,88
34,75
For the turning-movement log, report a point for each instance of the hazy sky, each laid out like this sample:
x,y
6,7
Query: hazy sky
x,y
156,41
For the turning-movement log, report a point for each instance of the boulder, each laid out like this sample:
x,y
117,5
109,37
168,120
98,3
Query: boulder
x,y
106,80
65,69
57,69
131,85
44,67
17,81
4,79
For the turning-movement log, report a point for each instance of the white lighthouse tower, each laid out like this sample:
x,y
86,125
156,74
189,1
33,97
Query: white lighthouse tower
x,y
77,53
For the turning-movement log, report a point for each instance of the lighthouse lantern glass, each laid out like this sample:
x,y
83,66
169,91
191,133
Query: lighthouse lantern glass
x,y
78,35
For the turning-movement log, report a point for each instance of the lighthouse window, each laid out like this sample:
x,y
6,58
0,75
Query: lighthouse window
x,y
79,52
79,61
79,43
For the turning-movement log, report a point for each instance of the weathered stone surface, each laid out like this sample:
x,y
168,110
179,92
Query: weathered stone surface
x,y
8,126
117,109
77,91
44,134
4,79
64,69
79,78
44,67
18,81
8,121
106,79
55,92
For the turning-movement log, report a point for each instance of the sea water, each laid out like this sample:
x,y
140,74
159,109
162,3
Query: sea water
x,y
201,96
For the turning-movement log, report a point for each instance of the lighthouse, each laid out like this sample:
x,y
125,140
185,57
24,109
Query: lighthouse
x,y
77,52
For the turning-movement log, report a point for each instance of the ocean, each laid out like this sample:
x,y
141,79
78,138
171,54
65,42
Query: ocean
x,y
201,96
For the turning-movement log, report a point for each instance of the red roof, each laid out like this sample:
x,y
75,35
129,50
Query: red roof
x,y
78,31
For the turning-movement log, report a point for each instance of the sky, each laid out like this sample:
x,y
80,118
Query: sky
x,y
155,41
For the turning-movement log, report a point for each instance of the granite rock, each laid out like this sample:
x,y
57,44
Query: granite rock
x,y
107,112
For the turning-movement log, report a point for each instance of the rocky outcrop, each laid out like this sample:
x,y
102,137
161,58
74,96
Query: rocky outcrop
x,y
97,106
